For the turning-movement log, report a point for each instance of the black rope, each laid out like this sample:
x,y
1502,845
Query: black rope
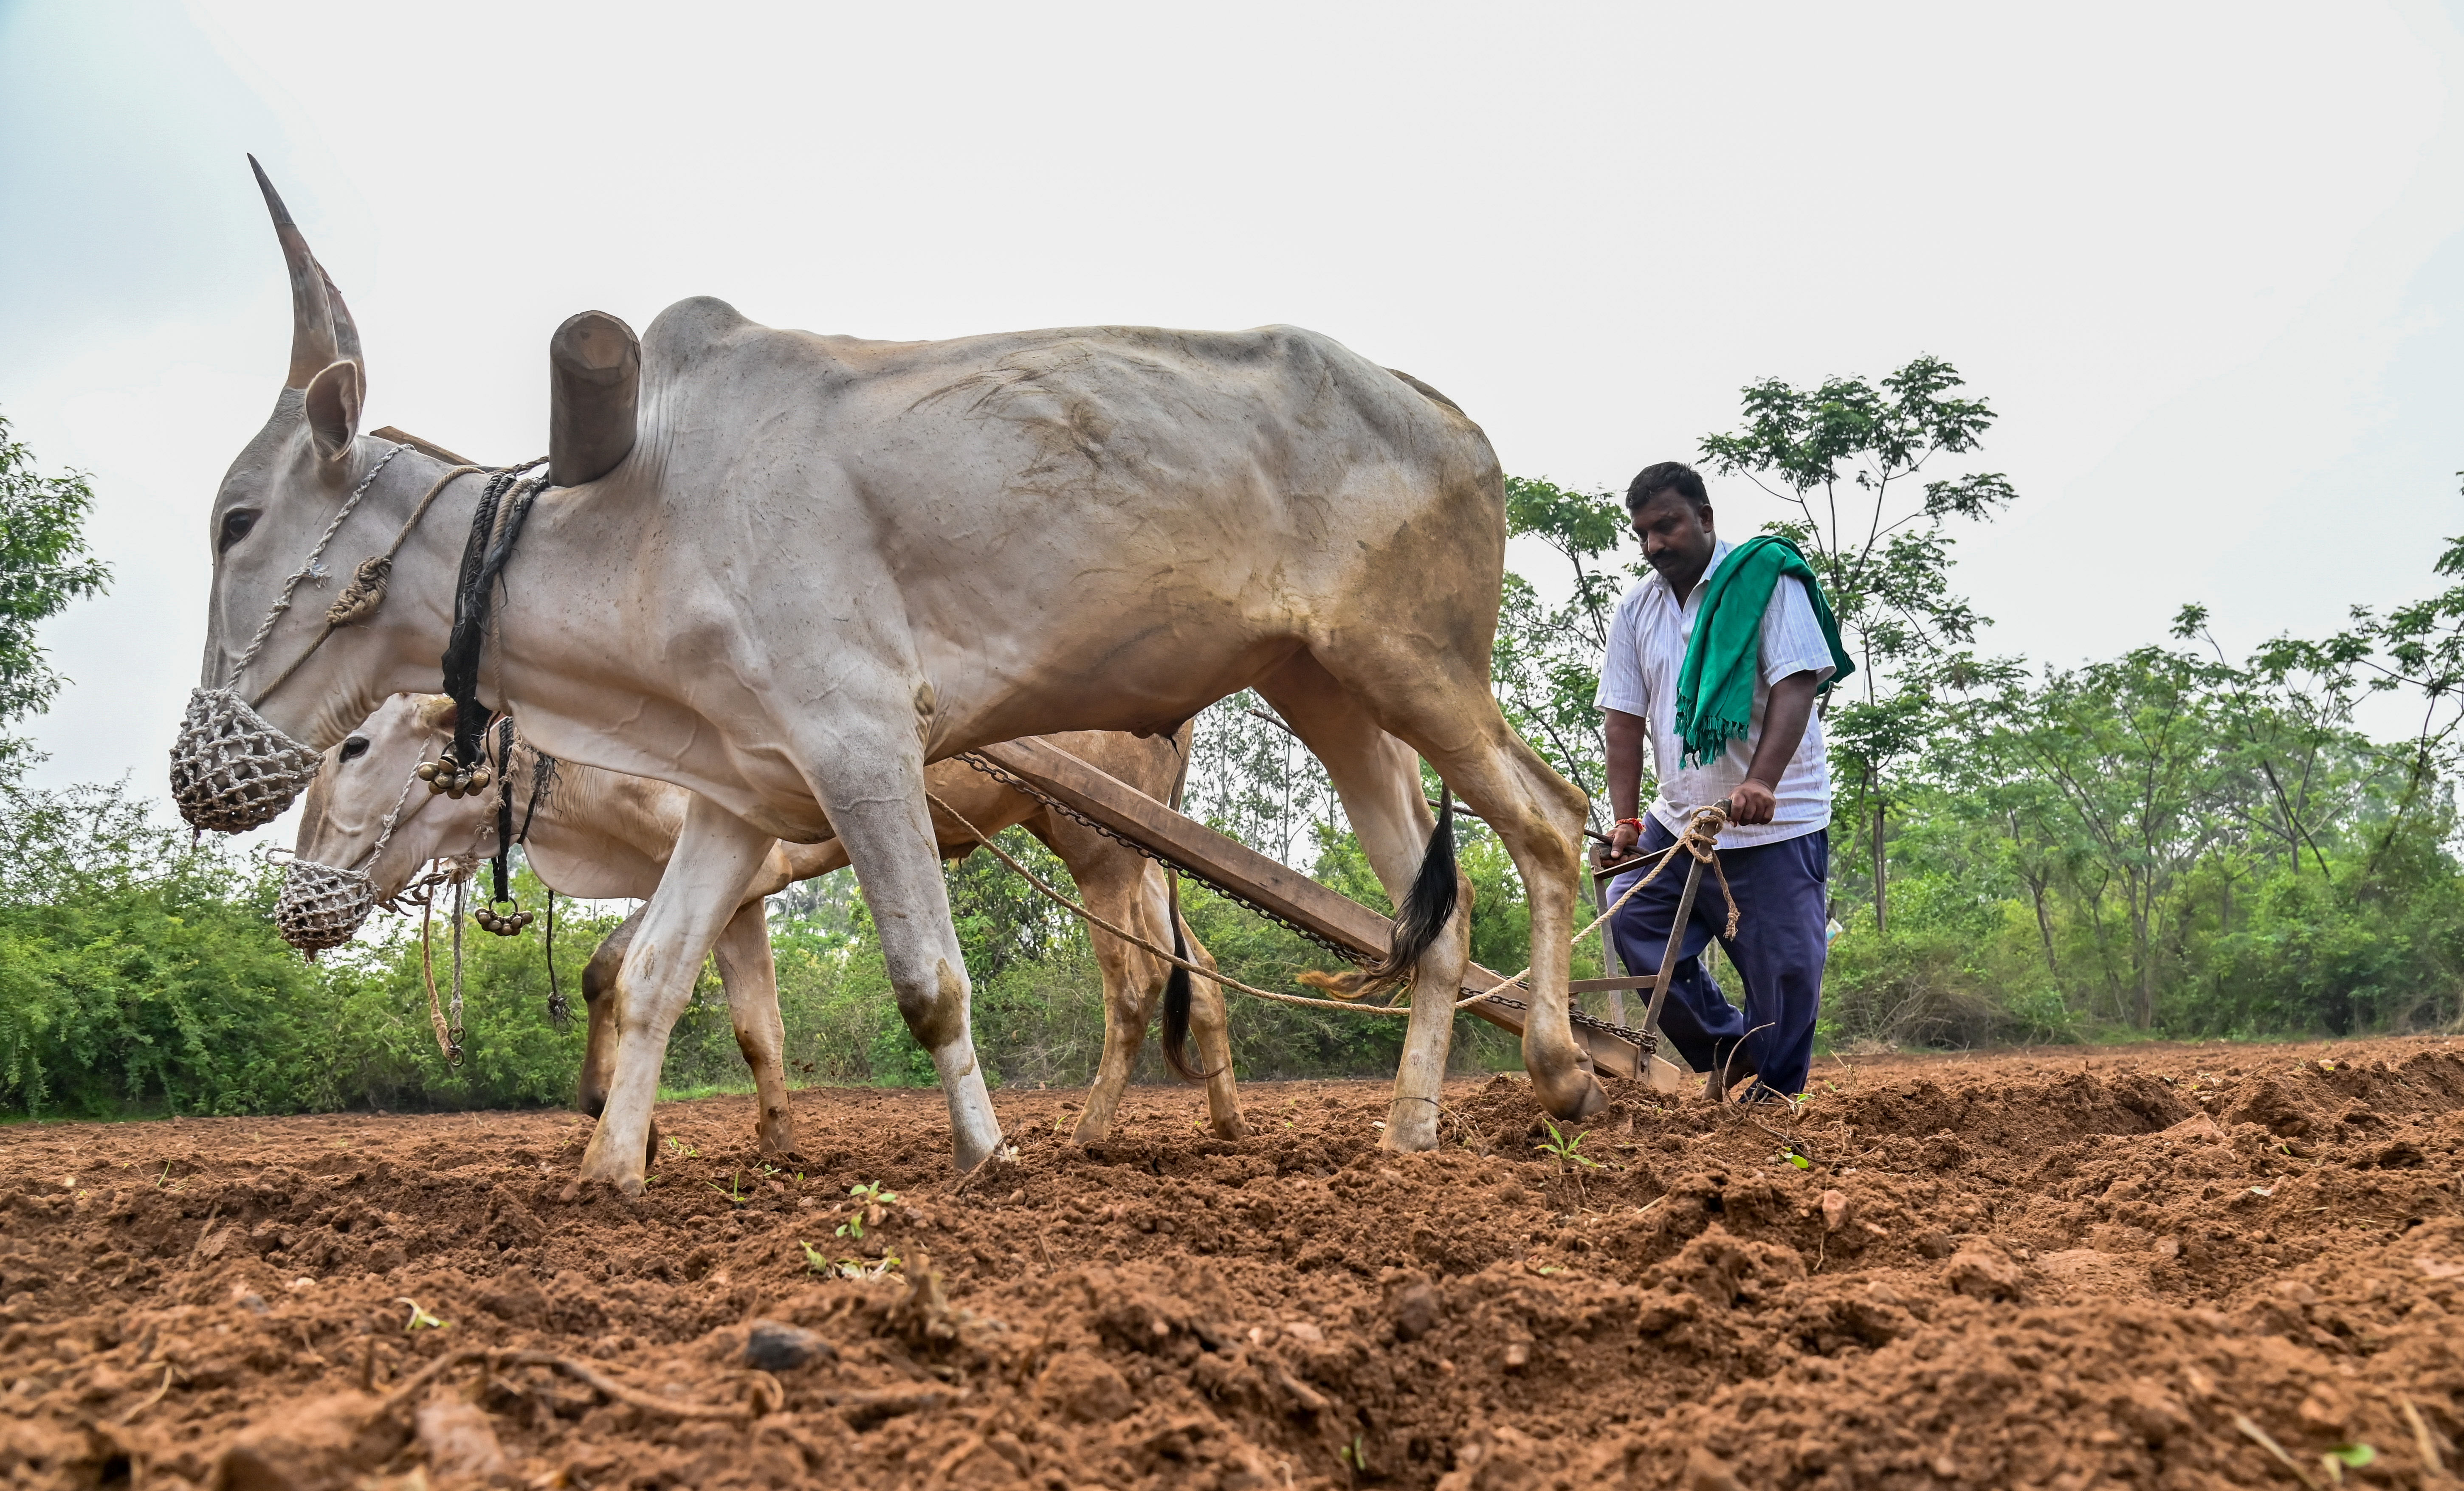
x,y
504,811
542,781
484,554
557,1009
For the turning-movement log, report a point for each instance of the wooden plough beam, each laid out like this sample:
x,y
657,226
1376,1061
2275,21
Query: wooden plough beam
x,y
1287,892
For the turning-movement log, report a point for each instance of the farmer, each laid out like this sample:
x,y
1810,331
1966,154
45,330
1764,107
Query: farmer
x,y
1716,660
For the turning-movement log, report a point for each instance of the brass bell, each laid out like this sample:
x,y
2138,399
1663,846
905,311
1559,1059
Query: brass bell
x,y
427,771
480,777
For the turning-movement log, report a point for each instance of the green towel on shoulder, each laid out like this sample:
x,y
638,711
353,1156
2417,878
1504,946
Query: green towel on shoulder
x,y
1715,687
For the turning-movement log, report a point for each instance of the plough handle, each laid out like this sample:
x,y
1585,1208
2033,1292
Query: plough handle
x,y
1677,934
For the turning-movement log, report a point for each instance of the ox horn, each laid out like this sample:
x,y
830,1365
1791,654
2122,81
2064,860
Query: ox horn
x,y
594,379
314,346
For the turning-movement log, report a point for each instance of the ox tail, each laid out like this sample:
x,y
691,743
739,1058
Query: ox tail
x,y
1426,911
1177,993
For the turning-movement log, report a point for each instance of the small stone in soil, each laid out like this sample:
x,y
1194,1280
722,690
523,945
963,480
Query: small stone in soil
x,y
1416,1311
773,1346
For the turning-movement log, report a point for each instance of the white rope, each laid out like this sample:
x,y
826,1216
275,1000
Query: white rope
x,y
1703,844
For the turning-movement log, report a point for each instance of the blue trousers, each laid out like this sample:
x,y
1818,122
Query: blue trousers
x,y
1782,894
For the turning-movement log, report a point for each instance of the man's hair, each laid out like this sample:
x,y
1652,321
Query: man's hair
x,y
1667,476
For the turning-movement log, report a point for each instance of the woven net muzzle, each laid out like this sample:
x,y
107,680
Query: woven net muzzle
x,y
231,770
322,907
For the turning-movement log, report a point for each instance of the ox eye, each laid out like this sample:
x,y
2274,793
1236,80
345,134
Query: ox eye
x,y
354,748
235,526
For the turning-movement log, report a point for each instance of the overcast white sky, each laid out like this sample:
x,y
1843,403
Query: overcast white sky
x,y
2203,259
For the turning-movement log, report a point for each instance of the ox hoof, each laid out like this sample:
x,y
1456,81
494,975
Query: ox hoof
x,y
1574,1101
1411,1128
1235,1127
585,1189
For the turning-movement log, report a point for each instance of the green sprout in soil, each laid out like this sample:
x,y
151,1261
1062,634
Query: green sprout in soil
x,y
681,1150
420,1318
1564,1150
734,1189
818,1263
870,1198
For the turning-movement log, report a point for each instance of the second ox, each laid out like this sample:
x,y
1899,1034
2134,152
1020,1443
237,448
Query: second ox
x,y
602,835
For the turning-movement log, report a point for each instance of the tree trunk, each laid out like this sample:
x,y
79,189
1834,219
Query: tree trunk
x,y
1882,875
2045,928
2145,1016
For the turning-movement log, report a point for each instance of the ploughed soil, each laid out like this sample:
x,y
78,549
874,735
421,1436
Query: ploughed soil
x,y
2161,1265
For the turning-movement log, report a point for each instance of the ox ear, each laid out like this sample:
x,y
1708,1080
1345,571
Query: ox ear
x,y
438,712
334,409
594,381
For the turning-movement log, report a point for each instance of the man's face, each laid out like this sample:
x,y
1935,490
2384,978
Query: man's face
x,y
1676,536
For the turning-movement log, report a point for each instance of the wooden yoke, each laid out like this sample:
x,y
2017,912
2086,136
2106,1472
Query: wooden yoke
x,y
1280,889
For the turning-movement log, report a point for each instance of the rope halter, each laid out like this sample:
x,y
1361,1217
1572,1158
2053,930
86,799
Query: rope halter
x,y
231,770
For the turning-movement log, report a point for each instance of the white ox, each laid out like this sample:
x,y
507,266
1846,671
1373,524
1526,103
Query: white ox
x,y
604,835
787,571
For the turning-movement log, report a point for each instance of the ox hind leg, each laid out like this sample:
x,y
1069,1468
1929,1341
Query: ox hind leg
x,y
715,861
873,790
1126,890
599,1017
1450,717
752,980
1378,778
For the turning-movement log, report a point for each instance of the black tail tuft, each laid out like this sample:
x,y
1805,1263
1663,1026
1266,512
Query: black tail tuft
x,y
1177,995
1431,902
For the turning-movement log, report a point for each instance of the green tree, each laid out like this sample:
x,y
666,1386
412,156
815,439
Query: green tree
x,y
1851,457
1545,663
43,567
2420,647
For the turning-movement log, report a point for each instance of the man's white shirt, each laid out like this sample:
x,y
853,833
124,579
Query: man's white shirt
x,y
1647,640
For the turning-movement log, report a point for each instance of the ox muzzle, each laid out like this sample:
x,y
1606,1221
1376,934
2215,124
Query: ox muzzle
x,y
322,907
230,771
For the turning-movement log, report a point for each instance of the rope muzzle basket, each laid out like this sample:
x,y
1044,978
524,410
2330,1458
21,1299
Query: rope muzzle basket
x,y
230,771
322,907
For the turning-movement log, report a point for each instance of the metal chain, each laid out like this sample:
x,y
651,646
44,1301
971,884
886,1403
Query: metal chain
x,y
1643,1038
1018,784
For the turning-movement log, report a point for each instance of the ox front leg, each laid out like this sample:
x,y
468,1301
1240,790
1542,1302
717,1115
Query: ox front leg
x,y
714,860
752,979
875,795
598,1002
